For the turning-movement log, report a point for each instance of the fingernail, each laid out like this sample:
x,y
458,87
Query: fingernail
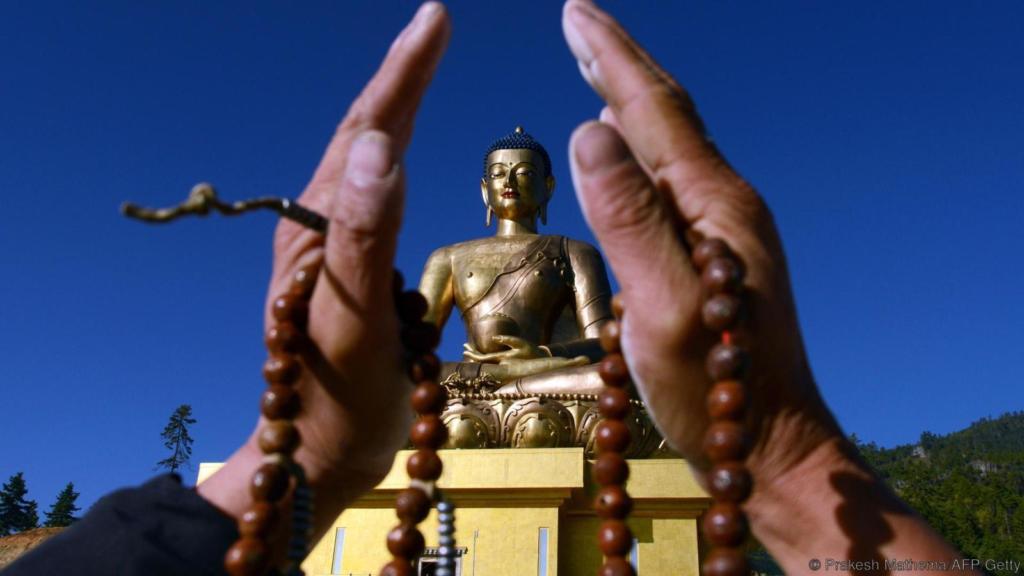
x,y
576,15
423,15
596,145
369,159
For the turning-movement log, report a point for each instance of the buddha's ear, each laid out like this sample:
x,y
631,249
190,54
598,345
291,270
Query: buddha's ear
x,y
549,182
483,191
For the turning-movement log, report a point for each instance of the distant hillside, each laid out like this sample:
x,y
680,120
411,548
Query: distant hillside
x,y
969,485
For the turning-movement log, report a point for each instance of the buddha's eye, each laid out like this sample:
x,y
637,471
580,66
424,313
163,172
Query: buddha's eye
x,y
527,173
496,175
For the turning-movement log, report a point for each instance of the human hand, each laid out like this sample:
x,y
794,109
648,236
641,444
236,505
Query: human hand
x,y
354,393
646,177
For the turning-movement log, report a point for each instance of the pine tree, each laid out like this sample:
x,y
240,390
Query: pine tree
x,y
177,439
62,513
16,513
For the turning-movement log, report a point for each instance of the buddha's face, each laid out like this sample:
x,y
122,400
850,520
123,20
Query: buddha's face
x,y
515,186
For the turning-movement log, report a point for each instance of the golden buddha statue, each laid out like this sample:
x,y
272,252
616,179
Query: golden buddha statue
x,y
532,304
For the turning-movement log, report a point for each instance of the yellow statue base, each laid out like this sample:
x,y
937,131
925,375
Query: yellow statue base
x,y
522,512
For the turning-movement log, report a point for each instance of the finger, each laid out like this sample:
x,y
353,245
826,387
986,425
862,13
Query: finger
x,y
392,96
352,310
655,115
510,341
635,226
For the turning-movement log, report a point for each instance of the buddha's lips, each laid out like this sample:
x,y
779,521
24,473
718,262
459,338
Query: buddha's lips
x,y
510,194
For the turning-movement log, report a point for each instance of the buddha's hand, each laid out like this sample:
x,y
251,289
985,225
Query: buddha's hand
x,y
516,348
646,168
512,368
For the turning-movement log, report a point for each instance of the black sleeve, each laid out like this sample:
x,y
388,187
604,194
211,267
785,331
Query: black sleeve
x,y
159,528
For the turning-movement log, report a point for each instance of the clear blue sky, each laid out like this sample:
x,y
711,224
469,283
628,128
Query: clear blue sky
x,y
887,137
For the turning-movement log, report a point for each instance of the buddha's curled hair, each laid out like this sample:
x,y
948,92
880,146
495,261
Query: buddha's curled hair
x,y
519,140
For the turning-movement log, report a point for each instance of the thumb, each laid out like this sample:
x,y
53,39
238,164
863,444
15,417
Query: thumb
x,y
356,286
636,227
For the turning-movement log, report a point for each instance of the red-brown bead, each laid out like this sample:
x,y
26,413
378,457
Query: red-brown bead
x,y
429,432
612,502
725,440
613,370
611,468
725,524
726,362
285,337
727,400
613,403
411,306
618,306
278,437
425,367
397,282
405,541
722,275
721,312
304,280
707,250
726,562
616,566
247,557
279,402
269,483
429,397
290,308
729,482
258,521
420,337
282,370
611,337
614,538
398,567
612,436
412,505
424,465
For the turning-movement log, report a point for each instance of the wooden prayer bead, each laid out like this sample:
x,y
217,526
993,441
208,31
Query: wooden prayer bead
x,y
282,370
279,402
405,541
398,567
726,362
258,521
412,505
425,367
397,283
411,306
707,250
725,525
290,308
722,275
424,465
284,337
428,397
725,440
269,483
618,306
429,432
612,502
613,370
278,436
420,337
247,557
727,400
304,281
616,566
729,482
613,403
726,562
721,312
612,436
610,337
610,468
614,538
